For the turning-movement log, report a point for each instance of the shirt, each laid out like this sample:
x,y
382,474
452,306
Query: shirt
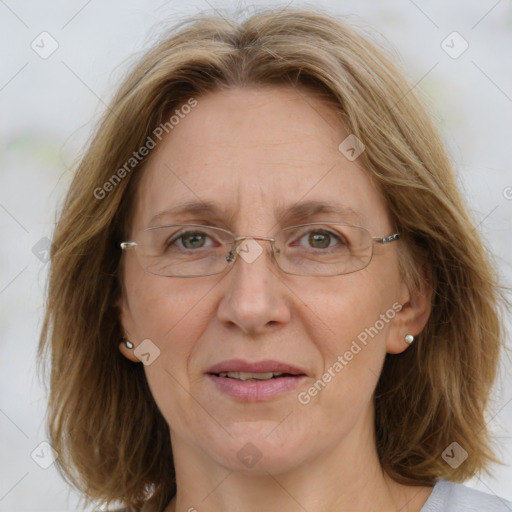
x,y
449,497
445,497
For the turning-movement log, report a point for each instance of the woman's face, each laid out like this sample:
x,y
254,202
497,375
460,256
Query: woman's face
x,y
255,154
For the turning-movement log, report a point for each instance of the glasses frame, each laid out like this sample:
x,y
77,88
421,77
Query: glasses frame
x,y
232,254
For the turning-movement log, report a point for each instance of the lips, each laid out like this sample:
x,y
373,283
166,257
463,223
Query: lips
x,y
251,376
268,366
255,381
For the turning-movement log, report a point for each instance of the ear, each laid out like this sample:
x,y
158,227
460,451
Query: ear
x,y
414,313
128,327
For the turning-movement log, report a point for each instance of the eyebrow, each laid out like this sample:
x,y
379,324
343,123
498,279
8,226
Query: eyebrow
x,y
211,210
308,209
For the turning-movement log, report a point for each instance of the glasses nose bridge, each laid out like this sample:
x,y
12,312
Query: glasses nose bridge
x,y
238,239
248,237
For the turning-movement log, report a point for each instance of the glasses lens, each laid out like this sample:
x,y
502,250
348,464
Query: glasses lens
x,y
184,250
315,249
323,249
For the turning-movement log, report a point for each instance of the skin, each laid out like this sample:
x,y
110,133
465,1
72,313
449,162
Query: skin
x,y
253,150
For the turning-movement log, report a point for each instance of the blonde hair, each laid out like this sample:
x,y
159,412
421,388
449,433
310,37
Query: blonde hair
x,y
113,442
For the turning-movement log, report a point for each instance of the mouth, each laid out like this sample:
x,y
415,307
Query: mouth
x,y
255,381
252,376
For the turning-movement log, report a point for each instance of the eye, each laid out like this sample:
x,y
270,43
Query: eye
x,y
190,240
322,239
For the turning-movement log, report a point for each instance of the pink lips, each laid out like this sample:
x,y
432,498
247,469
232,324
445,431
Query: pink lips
x,y
239,365
253,390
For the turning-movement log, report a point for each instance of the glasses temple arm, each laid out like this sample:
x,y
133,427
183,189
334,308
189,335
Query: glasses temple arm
x,y
387,239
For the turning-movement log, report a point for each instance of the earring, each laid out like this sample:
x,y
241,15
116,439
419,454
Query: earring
x,y
409,339
128,343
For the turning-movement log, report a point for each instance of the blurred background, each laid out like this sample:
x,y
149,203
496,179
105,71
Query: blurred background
x,y
60,64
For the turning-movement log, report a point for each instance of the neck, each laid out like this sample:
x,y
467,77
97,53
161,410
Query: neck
x,y
347,478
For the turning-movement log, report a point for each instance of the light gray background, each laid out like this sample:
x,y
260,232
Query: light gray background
x,y
49,106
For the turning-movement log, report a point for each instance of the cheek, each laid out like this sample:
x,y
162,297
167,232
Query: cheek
x,y
172,314
353,307
168,311
356,317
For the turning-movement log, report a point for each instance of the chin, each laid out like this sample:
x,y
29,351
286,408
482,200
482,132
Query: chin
x,y
256,449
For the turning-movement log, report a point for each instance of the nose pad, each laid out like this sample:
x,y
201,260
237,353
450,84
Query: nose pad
x,y
249,249
234,251
256,247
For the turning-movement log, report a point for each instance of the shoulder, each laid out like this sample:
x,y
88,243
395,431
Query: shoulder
x,y
449,497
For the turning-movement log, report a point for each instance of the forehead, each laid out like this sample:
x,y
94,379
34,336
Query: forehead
x,y
254,158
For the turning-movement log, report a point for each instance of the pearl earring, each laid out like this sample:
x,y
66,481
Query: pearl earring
x,y
128,343
409,339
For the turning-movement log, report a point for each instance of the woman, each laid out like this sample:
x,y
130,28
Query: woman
x,y
266,292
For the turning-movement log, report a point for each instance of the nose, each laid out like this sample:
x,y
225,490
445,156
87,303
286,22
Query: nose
x,y
254,296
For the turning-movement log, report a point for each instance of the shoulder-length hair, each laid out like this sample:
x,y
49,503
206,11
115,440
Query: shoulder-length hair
x,y
113,442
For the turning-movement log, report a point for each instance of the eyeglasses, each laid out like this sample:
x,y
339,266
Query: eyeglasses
x,y
195,250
